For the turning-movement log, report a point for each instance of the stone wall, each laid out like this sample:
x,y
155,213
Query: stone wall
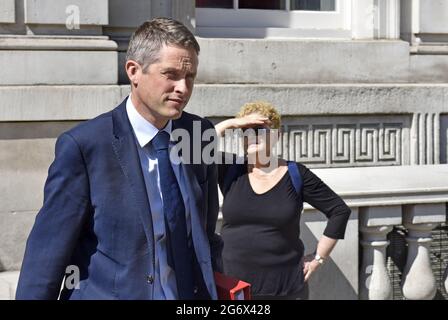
x,y
375,101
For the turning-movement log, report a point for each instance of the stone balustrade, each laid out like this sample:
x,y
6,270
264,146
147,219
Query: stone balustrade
x,y
413,196
380,105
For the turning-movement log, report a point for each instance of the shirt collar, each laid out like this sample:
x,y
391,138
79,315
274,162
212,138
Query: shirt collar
x,y
144,130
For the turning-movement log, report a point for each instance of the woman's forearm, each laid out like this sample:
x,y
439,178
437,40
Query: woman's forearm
x,y
325,246
244,122
223,125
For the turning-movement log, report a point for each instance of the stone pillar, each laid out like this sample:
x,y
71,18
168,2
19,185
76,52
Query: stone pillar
x,y
424,21
376,19
184,11
374,280
425,141
425,26
375,224
418,282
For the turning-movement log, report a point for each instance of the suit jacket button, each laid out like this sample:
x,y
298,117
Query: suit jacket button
x,y
150,279
195,290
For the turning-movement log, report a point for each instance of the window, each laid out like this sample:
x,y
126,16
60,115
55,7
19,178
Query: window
x,y
226,4
313,5
273,18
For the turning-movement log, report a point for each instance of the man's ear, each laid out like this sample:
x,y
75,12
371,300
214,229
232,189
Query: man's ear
x,y
133,70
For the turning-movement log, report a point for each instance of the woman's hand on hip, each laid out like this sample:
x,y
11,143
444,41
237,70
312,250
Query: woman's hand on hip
x,y
310,265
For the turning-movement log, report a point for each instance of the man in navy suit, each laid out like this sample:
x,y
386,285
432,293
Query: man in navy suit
x,y
133,223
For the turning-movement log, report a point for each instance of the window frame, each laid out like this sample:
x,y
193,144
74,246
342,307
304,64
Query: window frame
x,y
255,23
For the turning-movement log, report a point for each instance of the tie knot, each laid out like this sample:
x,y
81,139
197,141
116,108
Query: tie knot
x,y
161,140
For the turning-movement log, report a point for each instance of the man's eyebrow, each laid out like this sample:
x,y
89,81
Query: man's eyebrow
x,y
170,69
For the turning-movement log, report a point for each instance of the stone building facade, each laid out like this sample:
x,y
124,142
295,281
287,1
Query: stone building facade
x,y
361,84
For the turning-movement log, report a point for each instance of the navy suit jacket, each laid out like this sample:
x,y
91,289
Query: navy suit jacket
x,y
96,216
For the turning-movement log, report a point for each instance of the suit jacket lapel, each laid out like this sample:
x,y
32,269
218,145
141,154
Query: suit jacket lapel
x,y
198,229
198,216
125,149
194,190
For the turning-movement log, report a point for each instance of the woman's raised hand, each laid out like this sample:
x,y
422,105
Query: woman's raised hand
x,y
250,120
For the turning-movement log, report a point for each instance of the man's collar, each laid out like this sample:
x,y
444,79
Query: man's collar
x,y
144,130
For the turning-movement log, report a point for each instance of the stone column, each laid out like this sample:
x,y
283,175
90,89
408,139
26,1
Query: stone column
x,y
424,21
425,138
375,224
418,282
184,11
376,19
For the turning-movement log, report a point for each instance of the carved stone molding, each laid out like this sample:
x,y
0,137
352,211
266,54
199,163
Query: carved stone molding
x,y
425,133
346,141
363,140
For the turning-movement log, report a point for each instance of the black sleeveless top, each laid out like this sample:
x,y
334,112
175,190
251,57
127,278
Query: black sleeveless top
x,y
261,232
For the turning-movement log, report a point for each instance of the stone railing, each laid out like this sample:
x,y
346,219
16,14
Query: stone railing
x,y
413,196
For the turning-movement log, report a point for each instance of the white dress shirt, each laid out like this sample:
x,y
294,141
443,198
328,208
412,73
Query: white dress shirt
x,y
164,277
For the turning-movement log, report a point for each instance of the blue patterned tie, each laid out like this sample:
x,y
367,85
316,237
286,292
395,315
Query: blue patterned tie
x,y
180,254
